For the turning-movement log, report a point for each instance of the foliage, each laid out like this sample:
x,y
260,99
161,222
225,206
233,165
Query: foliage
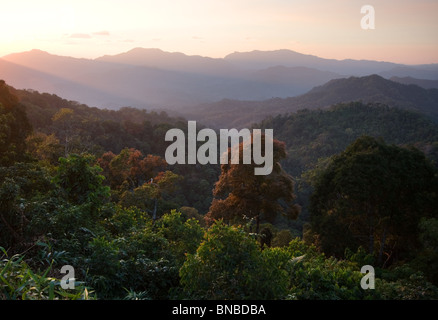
x,y
90,188
282,238
184,236
14,127
153,196
123,221
19,282
406,283
426,261
229,265
80,181
240,193
44,147
312,136
374,195
315,277
23,188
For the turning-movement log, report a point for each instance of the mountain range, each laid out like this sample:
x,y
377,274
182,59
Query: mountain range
x,y
155,79
368,89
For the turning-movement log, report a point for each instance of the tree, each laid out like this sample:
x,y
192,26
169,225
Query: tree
x,y
148,195
184,235
80,180
229,265
373,195
44,147
24,187
313,276
63,121
130,168
239,193
14,127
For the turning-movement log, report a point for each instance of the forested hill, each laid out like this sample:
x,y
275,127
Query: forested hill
x,y
314,134
309,135
134,227
55,127
98,129
229,113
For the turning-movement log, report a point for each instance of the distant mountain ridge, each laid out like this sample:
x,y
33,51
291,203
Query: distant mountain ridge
x,y
24,77
155,79
262,59
288,58
424,83
176,61
369,89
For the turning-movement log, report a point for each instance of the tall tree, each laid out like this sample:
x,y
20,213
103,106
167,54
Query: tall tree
x,y
130,168
373,195
240,193
14,127
148,195
63,122
80,180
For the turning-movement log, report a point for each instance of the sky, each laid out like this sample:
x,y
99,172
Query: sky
x,y
405,31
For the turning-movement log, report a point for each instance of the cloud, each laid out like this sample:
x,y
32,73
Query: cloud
x,y
102,33
80,36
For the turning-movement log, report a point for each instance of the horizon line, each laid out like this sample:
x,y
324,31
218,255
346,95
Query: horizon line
x,y
215,58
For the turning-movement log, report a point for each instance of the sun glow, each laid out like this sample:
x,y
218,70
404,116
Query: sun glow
x,y
405,31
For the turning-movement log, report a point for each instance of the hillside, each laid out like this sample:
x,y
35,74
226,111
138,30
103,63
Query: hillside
x,y
314,135
99,129
309,134
424,83
122,211
105,132
231,113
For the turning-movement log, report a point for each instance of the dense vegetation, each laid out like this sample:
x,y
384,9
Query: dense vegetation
x,y
90,188
313,136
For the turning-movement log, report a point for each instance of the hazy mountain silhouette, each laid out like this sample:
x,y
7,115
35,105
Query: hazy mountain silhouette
x,y
148,78
232,113
152,78
174,61
424,83
263,59
288,58
27,78
425,71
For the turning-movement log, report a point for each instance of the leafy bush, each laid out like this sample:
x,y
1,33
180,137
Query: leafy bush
x,y
405,283
184,236
228,264
316,277
19,282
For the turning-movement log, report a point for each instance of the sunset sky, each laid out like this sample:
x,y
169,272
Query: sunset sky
x,y
406,31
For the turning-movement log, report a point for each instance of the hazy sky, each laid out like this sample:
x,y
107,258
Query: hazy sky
x,y
406,31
